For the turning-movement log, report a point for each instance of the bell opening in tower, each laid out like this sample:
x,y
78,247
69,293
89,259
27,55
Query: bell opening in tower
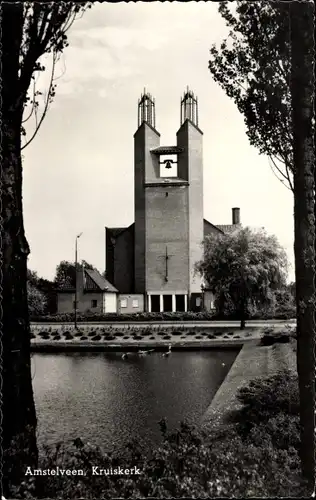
x,y
168,165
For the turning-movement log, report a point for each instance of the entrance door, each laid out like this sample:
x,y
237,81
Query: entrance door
x,y
167,303
155,303
180,303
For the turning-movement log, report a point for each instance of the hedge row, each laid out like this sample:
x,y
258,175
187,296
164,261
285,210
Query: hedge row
x,y
145,316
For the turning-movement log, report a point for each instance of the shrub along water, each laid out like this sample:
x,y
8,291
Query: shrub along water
x,y
255,456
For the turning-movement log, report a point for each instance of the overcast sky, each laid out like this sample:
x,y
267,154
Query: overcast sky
x,y
78,172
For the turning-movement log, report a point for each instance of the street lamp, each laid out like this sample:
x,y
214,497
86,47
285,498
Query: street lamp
x,y
76,281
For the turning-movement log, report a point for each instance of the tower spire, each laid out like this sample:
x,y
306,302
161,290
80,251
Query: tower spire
x,y
189,107
146,109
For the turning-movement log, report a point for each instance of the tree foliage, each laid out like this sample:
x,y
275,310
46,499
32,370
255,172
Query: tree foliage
x,y
244,267
29,31
36,300
45,27
65,276
253,66
41,288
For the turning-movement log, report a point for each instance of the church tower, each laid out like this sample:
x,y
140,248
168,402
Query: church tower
x,y
168,209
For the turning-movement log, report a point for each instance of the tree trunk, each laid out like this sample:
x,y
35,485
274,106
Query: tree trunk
x,y
18,409
19,418
302,32
242,313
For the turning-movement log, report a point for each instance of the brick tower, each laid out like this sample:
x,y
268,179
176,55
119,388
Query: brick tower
x,y
168,210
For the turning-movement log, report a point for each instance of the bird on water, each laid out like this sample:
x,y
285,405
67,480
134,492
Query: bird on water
x,y
166,354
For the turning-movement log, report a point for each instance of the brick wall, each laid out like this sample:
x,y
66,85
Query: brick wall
x,y
167,227
146,168
191,168
65,302
134,303
123,278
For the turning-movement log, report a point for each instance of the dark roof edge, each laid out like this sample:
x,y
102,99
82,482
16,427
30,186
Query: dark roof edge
x,y
122,231
213,225
150,126
190,121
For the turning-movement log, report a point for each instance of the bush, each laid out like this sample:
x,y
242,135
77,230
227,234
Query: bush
x,y
267,398
96,337
114,317
56,337
109,337
83,338
68,336
184,465
271,337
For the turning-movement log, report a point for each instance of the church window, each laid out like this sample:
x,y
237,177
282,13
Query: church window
x,y
94,303
135,302
123,302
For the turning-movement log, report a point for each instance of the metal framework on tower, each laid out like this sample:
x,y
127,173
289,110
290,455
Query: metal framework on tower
x,y
189,108
146,109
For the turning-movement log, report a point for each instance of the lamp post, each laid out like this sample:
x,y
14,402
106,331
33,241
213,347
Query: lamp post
x,y
76,281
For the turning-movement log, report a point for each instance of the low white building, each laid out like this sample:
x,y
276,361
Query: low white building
x,y
94,294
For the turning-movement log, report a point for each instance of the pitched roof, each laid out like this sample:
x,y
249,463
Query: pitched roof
x,y
208,223
167,150
115,231
94,282
228,228
100,282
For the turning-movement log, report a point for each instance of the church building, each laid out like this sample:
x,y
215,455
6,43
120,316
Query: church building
x,y
151,262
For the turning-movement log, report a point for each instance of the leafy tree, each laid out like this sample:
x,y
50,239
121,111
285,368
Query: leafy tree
x,y
253,66
28,32
301,16
40,287
267,66
36,300
65,273
247,266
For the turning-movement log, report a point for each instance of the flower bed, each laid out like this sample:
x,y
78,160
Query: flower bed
x,y
108,333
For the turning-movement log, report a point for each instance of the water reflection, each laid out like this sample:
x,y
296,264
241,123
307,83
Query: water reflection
x,y
107,400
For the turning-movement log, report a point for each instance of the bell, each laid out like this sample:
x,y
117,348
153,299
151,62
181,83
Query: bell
x,y
168,164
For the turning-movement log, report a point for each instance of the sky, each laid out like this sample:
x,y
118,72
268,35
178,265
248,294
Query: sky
x,y
78,172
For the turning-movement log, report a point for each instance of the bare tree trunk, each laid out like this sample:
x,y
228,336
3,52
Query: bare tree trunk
x,y
302,89
19,418
18,409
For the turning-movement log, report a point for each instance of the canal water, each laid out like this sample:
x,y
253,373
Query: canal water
x,y
107,400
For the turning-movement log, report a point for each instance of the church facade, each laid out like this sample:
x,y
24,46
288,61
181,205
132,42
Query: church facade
x,y
151,262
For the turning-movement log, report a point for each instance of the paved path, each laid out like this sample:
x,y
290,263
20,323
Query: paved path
x,y
176,324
